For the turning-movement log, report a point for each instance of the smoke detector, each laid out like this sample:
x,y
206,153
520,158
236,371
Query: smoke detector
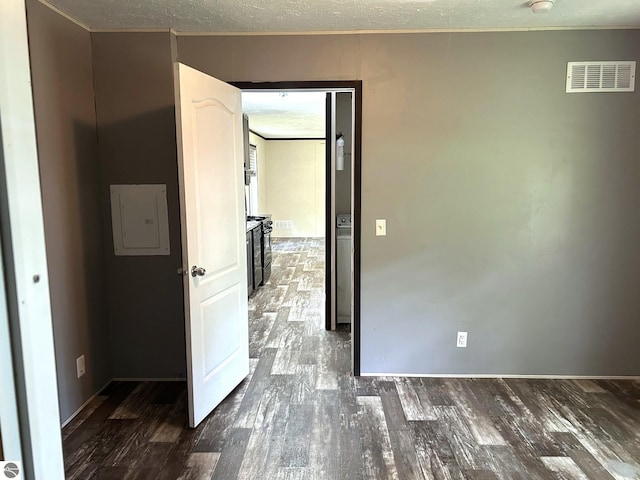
x,y
538,6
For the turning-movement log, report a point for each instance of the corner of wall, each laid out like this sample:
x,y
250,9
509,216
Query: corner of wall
x,y
64,105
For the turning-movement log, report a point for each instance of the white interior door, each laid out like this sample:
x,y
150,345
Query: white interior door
x,y
210,151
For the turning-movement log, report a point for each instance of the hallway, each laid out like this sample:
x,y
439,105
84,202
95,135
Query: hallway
x,y
300,414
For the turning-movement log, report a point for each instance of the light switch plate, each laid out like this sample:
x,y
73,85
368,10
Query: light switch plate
x,y
381,227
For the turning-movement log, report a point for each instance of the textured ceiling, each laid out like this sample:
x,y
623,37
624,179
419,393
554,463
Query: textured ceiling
x,y
301,115
344,15
285,115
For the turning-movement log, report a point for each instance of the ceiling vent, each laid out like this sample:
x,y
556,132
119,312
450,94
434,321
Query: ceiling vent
x,y
601,77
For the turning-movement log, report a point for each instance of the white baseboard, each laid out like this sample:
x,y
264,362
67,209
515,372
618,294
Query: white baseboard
x,y
91,399
127,379
491,375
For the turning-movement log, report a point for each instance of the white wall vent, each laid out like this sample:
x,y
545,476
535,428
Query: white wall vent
x,y
601,77
283,224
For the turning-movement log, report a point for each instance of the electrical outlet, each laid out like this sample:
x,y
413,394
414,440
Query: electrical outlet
x,y
461,340
80,367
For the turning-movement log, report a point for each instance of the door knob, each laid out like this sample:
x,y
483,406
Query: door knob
x,y
197,271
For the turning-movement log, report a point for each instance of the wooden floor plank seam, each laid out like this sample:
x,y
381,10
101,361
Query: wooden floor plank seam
x,y
300,415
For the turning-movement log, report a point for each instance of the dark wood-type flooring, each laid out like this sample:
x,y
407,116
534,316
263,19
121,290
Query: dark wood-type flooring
x,y
300,415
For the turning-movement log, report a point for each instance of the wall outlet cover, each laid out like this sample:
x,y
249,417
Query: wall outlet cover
x,y
461,340
80,366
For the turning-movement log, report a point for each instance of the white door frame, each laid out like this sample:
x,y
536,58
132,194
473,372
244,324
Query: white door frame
x,y
32,414
9,419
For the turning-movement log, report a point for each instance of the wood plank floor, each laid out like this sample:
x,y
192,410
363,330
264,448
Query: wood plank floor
x,y
300,415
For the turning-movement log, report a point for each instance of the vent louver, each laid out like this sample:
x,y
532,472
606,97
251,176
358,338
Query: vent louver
x,y
601,77
283,224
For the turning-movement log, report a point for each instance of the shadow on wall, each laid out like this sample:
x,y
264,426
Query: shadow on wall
x,y
144,293
78,285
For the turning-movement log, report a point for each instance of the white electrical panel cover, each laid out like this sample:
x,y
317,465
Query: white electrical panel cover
x,y
140,219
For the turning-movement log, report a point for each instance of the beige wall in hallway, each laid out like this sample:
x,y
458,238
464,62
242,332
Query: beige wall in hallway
x,y
295,187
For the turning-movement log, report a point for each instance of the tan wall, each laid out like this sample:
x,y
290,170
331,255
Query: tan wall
x,y
67,148
296,186
511,206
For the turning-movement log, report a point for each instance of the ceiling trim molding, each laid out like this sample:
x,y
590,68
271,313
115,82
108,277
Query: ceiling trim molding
x,y
396,32
105,30
65,15
257,134
132,30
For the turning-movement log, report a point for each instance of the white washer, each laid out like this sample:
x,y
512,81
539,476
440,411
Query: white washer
x,y
343,267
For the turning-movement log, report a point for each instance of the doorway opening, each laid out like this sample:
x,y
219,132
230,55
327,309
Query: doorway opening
x,y
336,95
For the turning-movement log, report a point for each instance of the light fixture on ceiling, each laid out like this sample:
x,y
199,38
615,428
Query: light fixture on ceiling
x,y
538,6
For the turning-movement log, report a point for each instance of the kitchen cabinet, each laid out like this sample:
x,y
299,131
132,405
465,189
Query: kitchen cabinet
x,y
254,255
249,263
257,256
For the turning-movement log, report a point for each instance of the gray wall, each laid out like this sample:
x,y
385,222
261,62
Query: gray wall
x,y
343,177
66,130
136,131
511,206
